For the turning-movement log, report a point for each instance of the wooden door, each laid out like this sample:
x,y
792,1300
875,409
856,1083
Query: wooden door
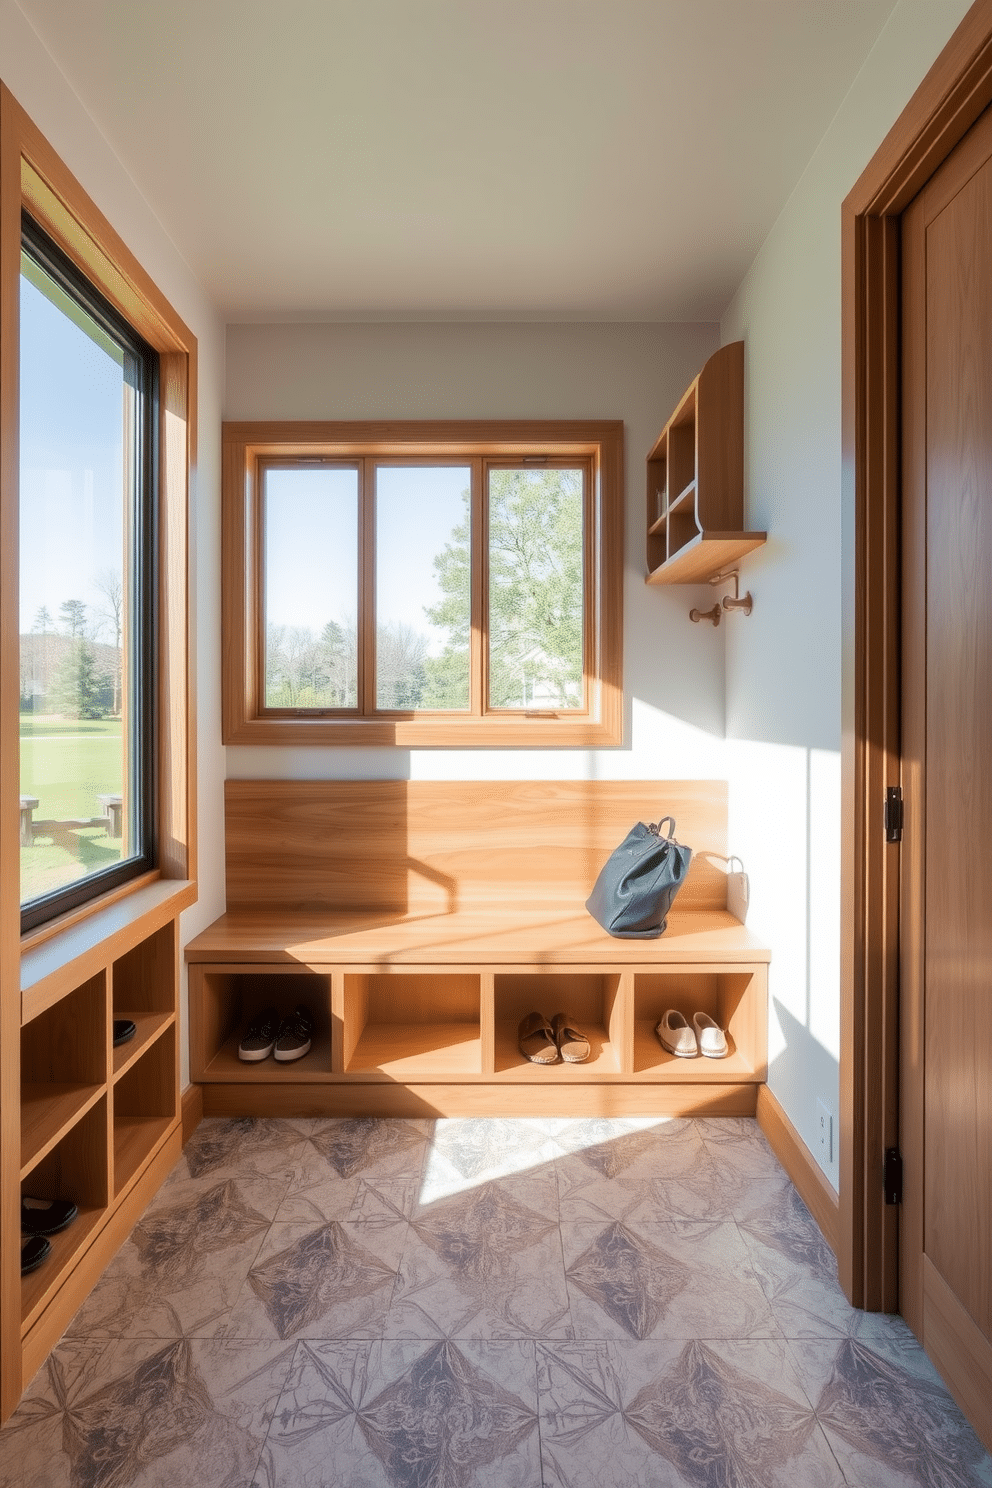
x,y
946,867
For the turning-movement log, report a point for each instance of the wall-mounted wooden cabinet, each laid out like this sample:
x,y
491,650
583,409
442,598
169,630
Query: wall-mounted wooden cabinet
x,y
695,510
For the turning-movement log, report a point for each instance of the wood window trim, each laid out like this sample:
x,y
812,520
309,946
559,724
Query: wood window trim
x,y
955,91
34,178
246,447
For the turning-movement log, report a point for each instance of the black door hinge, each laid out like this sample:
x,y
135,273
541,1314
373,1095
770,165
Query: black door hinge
x,y
893,813
893,1175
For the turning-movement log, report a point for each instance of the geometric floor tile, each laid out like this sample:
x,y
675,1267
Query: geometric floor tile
x,y
730,1414
146,1414
406,1415
476,1303
328,1282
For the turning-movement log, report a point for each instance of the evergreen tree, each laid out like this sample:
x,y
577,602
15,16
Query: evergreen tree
x,y
79,689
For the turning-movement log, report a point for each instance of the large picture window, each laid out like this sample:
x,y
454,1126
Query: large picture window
x,y
88,397
437,586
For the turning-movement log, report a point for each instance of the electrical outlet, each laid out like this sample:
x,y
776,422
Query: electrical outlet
x,y
825,1130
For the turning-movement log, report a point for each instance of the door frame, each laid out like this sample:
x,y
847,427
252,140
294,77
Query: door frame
x,y
950,98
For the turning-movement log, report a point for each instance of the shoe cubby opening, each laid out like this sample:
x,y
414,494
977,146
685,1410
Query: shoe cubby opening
x,y
75,1168
733,999
143,992
145,1101
590,999
408,1025
63,1066
224,1002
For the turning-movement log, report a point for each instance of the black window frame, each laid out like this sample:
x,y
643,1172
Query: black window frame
x,y
144,604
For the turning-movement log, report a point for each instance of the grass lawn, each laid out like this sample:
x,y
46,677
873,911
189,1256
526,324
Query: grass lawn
x,y
67,763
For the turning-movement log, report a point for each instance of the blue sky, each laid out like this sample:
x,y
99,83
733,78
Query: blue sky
x,y
72,387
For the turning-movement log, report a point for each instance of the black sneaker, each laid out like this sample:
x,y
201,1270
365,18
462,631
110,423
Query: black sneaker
x,y
46,1216
295,1034
34,1250
124,1031
260,1037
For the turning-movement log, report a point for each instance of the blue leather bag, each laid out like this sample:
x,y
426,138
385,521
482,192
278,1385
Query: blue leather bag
x,y
639,880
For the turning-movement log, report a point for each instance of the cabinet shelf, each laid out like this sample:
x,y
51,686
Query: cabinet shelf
x,y
48,1112
706,555
38,1288
135,1139
149,1026
411,1051
510,1063
226,1067
700,455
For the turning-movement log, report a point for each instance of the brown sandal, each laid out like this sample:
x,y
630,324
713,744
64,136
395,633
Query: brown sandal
x,y
536,1040
572,1045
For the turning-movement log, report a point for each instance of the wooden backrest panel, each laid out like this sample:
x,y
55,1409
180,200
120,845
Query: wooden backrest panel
x,y
424,846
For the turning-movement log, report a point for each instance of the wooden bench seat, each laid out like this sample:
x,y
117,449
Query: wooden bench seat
x,y
421,921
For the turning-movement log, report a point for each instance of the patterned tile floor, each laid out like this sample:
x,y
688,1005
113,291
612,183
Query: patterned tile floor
x,y
482,1304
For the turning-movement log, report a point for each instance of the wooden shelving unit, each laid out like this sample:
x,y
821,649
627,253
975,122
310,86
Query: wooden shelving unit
x,y
444,1027
695,479
98,1125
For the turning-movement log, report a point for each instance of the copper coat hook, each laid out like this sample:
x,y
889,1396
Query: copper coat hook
x,y
736,601
713,614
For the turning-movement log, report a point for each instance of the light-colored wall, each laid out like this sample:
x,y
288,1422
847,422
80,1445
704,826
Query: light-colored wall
x,y
42,90
673,670
785,690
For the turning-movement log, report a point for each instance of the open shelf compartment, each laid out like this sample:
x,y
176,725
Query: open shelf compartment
x,y
75,1168
593,1004
143,988
223,1001
407,1026
145,1103
63,1066
734,999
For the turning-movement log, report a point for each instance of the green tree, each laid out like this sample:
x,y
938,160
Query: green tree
x,y
73,612
446,677
535,594
79,688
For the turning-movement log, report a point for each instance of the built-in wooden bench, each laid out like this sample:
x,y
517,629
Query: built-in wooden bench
x,y
421,920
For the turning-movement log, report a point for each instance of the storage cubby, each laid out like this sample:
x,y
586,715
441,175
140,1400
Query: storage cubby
x,y
592,1002
407,1026
734,999
75,1168
223,1003
695,472
145,1106
63,1066
142,989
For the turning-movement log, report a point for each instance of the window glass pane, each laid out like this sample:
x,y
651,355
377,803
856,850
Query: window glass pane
x,y
79,716
423,570
310,534
535,588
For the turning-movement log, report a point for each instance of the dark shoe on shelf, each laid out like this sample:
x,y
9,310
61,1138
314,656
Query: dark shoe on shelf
x,y
34,1250
124,1031
260,1036
295,1035
46,1216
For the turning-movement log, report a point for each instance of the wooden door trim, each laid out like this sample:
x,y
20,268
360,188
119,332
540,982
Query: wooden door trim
x,y
950,98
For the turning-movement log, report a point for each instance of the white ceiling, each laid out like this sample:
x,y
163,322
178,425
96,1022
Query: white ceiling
x,y
464,159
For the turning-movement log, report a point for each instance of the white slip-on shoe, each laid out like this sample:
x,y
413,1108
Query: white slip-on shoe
x,y
676,1036
712,1039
